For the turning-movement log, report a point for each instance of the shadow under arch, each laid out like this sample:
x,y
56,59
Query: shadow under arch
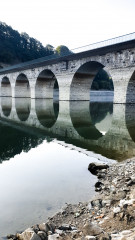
x,y
47,85
22,87
82,80
6,87
23,107
130,94
47,111
84,118
6,105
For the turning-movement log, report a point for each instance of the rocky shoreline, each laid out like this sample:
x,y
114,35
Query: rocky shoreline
x,y
110,215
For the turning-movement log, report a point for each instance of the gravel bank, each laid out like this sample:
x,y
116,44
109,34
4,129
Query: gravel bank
x,y
110,215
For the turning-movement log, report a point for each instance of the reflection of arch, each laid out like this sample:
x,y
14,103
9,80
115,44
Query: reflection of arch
x,y
82,80
6,104
101,115
130,120
46,84
23,108
22,87
6,87
88,121
47,111
130,95
81,120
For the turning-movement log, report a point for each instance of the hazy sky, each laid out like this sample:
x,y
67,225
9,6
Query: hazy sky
x,y
72,23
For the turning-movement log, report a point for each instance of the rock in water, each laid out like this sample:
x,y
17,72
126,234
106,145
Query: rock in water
x,y
95,167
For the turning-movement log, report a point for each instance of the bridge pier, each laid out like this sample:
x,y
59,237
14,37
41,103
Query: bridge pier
x,y
124,91
64,81
13,89
32,88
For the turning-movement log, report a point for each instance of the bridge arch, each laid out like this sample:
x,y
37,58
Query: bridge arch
x,y
6,87
83,78
22,86
46,85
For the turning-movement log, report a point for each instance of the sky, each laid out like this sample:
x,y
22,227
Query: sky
x,y
73,23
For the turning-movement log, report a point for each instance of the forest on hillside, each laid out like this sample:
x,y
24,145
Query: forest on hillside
x,y
16,47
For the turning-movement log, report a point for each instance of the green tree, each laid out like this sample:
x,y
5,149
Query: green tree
x,y
62,50
102,81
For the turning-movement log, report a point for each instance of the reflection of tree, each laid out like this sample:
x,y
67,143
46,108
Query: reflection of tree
x,y
98,111
130,120
14,142
56,109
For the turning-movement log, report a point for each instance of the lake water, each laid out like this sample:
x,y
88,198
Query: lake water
x,y
45,150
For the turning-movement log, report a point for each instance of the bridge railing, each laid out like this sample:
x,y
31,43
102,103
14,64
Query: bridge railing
x,y
30,63
112,41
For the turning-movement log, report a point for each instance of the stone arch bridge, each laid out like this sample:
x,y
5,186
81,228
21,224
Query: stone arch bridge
x,y
75,72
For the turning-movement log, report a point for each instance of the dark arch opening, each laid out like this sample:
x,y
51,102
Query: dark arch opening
x,y
23,108
130,95
6,104
88,78
22,87
102,88
47,85
47,112
6,87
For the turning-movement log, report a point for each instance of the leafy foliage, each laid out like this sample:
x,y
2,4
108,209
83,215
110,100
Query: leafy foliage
x,y
62,50
16,47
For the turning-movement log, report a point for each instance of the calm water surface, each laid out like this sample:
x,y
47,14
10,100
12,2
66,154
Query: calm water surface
x,y
45,150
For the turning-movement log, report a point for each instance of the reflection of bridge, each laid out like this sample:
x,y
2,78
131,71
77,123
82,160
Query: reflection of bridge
x,y
73,124
74,73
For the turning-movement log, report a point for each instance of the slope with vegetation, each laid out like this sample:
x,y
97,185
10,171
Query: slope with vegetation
x,y
16,47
